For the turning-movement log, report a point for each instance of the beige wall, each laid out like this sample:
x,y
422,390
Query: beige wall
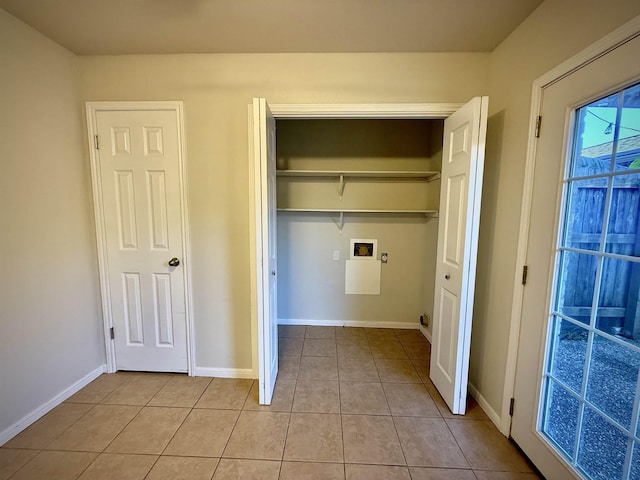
x,y
216,90
311,284
50,293
553,33
49,313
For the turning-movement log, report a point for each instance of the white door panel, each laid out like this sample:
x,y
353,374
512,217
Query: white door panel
x,y
264,142
139,168
461,180
559,100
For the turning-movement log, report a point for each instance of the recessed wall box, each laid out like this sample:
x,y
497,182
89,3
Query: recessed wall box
x,y
364,249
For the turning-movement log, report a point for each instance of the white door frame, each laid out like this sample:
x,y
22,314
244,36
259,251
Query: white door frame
x,y
92,109
315,111
621,35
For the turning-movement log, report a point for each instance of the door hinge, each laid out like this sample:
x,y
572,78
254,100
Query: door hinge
x,y
111,333
513,400
525,271
97,143
538,123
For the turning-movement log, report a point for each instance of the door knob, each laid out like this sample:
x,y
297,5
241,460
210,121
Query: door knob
x,y
447,276
273,272
174,262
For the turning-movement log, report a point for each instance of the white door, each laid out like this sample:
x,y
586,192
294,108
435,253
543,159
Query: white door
x,y
576,385
138,161
264,131
460,193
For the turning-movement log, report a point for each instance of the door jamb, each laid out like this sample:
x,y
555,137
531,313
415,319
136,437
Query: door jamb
x,y
621,35
92,108
313,111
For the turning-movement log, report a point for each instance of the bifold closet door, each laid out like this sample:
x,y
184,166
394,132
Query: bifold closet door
x,y
460,193
264,144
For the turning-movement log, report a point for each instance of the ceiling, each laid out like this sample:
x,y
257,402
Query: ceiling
x,y
272,26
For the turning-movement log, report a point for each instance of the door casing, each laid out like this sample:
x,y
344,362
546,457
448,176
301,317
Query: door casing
x,y
314,111
92,108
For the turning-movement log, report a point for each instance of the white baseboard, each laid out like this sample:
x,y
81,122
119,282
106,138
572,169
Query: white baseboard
x,y
347,323
491,413
10,432
225,372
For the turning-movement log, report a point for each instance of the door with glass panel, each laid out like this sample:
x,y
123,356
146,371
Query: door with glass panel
x,y
577,395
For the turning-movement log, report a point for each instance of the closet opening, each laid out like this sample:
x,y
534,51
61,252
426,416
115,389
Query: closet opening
x,y
340,180
367,215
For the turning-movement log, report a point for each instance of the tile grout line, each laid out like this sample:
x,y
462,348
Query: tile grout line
x,y
179,426
395,428
121,430
128,423
98,454
344,458
93,405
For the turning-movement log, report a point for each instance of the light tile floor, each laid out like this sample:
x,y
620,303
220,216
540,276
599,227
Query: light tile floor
x,y
349,404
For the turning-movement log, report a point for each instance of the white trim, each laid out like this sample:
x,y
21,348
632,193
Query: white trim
x,y
354,111
10,432
254,250
485,406
348,323
92,109
365,110
224,372
616,38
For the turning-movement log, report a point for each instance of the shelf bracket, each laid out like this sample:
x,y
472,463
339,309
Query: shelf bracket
x,y
340,223
341,185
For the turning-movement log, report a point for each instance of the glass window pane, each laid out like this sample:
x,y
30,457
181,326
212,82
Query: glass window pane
x,y
613,376
635,461
602,447
561,418
594,137
568,354
576,285
585,213
622,229
618,308
628,147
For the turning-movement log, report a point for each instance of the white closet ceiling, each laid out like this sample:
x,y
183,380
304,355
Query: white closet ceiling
x,y
274,26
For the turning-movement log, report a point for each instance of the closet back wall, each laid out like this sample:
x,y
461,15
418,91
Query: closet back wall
x,y
216,90
311,284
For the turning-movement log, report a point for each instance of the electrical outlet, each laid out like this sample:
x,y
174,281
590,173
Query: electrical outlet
x,y
336,254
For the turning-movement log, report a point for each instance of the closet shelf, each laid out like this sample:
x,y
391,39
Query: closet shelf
x,y
426,175
428,213
341,211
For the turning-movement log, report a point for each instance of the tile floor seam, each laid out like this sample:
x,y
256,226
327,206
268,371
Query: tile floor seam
x,y
455,439
395,428
174,433
286,435
60,434
244,404
228,440
23,466
344,471
122,429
